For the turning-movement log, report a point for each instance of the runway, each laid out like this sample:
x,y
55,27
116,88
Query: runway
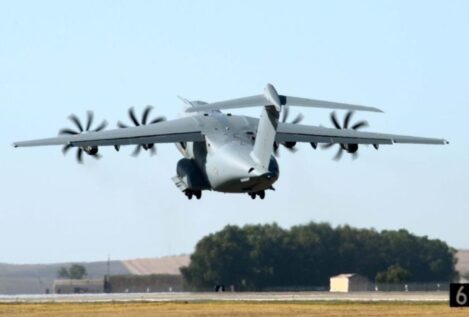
x,y
230,296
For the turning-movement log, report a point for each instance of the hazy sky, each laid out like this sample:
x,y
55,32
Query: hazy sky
x,y
410,58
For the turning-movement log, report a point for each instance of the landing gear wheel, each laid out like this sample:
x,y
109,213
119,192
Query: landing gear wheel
x,y
261,194
188,194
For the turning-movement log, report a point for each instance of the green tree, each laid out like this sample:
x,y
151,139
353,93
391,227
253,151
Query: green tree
x,y
221,258
258,257
394,274
75,271
63,273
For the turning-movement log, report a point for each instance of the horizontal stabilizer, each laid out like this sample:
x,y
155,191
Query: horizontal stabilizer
x,y
263,100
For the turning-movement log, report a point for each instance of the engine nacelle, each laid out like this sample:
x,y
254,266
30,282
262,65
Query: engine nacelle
x,y
191,174
351,148
90,150
289,144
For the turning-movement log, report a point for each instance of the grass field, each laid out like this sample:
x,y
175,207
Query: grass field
x,y
317,309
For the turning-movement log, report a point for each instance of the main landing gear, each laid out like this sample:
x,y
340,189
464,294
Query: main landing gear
x,y
261,194
190,193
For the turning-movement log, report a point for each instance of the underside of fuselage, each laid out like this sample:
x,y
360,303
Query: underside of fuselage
x,y
250,184
224,162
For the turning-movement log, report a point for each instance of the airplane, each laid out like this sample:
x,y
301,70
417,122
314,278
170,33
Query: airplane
x,y
224,152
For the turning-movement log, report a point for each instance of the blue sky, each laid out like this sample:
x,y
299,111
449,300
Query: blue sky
x,y
409,58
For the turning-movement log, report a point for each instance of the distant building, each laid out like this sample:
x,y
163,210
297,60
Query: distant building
x,y
164,265
146,283
349,283
121,284
462,266
37,278
78,286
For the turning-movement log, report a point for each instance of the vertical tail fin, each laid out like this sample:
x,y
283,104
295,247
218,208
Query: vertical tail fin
x,y
267,128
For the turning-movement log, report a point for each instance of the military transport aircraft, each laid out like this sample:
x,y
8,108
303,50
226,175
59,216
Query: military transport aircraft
x,y
224,152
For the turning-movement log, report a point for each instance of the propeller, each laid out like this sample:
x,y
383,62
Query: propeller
x,y
143,121
290,146
79,129
349,148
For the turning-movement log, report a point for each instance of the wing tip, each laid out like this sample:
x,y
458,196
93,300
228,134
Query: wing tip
x,y
15,145
376,109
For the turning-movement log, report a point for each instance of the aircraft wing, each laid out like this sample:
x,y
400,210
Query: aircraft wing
x,y
178,130
287,132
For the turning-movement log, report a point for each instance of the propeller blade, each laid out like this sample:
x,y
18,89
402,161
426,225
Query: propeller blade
x,y
80,155
68,131
326,145
136,152
359,125
276,152
144,121
77,122
146,112
347,118
101,126
158,119
339,154
292,149
298,118
133,117
335,121
66,148
89,120
352,148
97,156
286,110
121,125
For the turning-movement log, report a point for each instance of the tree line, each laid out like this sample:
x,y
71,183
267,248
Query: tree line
x,y
256,257
74,272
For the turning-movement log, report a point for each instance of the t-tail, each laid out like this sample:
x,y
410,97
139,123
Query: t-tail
x,y
268,122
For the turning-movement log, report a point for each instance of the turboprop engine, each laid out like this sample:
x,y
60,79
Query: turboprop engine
x,y
189,172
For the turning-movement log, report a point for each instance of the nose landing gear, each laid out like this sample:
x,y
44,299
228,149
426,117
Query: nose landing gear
x,y
261,194
190,193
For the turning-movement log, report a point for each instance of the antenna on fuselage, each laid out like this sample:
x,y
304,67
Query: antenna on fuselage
x,y
186,102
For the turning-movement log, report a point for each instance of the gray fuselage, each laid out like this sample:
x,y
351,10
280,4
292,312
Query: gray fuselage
x,y
225,159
